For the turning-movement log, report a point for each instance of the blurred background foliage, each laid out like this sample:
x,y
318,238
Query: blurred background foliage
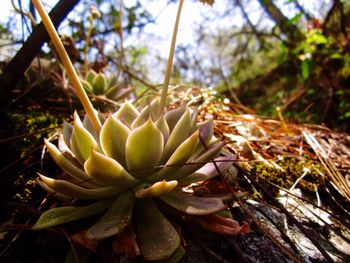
x,y
263,54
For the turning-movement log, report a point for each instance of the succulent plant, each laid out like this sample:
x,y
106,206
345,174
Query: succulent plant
x,y
129,168
135,160
98,84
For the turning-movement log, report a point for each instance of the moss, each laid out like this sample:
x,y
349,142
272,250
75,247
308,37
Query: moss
x,y
24,189
37,124
30,127
292,170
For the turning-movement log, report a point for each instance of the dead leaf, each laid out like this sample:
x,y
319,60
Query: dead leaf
x,y
209,2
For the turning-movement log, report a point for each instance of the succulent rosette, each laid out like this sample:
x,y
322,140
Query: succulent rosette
x,y
136,161
98,84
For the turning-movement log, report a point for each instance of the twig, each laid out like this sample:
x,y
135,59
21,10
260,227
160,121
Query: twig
x,y
285,203
15,69
121,36
29,134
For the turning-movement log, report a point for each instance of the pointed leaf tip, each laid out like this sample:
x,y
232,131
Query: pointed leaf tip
x,y
65,164
81,140
193,205
180,133
100,84
157,189
127,113
113,138
209,170
144,146
108,171
65,214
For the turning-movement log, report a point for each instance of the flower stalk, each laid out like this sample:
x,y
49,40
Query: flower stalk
x,y
79,90
170,61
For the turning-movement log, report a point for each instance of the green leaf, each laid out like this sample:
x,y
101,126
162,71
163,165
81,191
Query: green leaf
x,y
295,19
193,205
73,190
112,91
184,150
144,147
113,138
108,171
65,164
127,113
194,116
179,134
197,162
150,111
163,127
142,118
209,170
173,116
158,238
345,115
157,189
179,158
336,56
100,84
67,132
61,215
306,66
88,125
210,153
81,141
90,76
117,93
154,108
116,219
113,81
318,39
52,192
176,256
87,86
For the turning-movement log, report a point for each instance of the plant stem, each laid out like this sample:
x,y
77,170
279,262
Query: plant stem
x,y
79,90
170,61
87,44
121,36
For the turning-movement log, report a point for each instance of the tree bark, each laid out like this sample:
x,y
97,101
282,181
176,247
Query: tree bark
x,y
15,69
293,34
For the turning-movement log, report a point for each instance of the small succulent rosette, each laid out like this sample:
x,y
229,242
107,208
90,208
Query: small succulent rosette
x,y
109,88
136,162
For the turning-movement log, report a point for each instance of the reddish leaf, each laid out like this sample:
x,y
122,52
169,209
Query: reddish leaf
x,y
82,240
221,225
125,243
217,189
211,187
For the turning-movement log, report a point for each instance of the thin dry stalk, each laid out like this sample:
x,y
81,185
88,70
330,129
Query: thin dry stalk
x,y
335,176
